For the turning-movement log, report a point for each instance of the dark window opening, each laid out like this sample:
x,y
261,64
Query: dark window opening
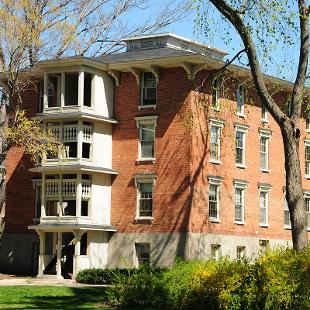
x,y
83,244
71,89
69,176
71,149
86,176
49,243
87,89
84,208
149,89
51,208
53,90
69,207
86,150
40,97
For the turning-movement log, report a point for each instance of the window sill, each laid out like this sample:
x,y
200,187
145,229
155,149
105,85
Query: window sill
x,y
139,160
264,225
307,177
144,219
240,166
265,170
215,162
150,106
217,221
287,227
264,121
239,222
216,109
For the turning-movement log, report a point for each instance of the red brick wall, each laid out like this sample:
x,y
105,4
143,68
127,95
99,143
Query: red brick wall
x,y
201,168
20,203
172,152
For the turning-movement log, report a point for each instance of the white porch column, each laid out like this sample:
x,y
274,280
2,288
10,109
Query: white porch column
x,y
62,90
59,248
45,92
42,253
81,89
43,213
78,196
77,250
79,139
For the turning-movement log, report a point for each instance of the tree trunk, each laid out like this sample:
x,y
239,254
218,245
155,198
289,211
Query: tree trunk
x,y
294,190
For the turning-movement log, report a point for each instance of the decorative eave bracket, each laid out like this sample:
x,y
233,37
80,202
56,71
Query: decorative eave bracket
x,y
116,76
137,73
192,70
155,71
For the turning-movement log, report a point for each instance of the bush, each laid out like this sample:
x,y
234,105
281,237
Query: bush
x,y
278,280
101,276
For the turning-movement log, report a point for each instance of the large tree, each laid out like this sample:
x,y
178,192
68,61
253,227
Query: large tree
x,y
262,26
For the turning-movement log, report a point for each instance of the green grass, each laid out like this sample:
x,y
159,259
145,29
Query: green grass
x,y
52,297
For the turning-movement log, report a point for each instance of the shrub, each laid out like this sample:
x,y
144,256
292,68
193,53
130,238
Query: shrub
x,y
100,276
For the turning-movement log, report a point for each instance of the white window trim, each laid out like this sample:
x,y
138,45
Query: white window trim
x,y
144,178
242,113
264,119
217,250
217,108
244,129
265,188
243,252
243,185
141,106
136,257
215,180
214,122
265,133
307,195
146,120
307,144
307,121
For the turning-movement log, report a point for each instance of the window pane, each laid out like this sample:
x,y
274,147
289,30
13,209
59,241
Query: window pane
x,y
147,141
263,153
240,99
213,201
143,253
149,89
215,143
239,147
238,204
146,199
263,207
307,160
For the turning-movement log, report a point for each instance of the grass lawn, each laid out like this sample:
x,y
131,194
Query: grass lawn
x,y
52,297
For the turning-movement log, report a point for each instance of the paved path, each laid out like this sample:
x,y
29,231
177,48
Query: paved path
x,y
9,280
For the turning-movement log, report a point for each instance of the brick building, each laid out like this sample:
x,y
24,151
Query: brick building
x,y
160,161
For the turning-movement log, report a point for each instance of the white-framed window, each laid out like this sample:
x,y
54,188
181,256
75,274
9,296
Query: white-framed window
x,y
308,121
307,158
216,252
37,185
241,131
217,90
264,117
265,136
240,100
241,252
264,191
263,245
307,207
148,89
146,126
215,140
145,187
287,219
214,198
143,253
240,187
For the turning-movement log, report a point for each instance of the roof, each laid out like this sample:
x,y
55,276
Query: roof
x,y
143,54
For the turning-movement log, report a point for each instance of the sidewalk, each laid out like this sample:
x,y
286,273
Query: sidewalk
x,y
11,280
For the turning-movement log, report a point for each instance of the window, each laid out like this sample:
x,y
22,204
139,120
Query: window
x,y
287,220
142,253
264,114
240,187
71,88
241,252
264,190
307,207
145,184
307,158
215,140
264,149
215,252
146,127
148,89
308,121
240,145
37,183
263,245
216,93
240,100
214,197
